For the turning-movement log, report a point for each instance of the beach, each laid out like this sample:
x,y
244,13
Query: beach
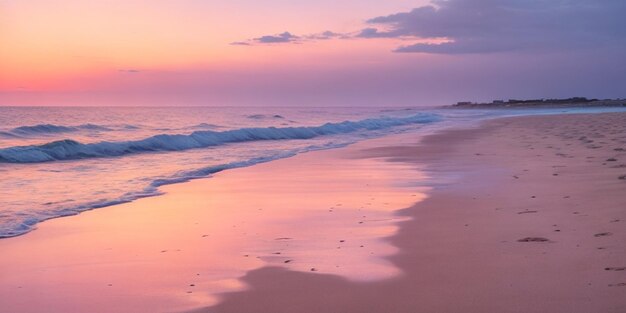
x,y
521,214
428,156
323,211
531,219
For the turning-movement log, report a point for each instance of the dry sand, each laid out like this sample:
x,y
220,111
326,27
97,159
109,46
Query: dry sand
x,y
530,217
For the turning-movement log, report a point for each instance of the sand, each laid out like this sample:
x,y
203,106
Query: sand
x,y
529,216
525,214
322,212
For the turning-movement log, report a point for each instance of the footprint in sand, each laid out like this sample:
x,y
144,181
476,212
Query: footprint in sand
x,y
533,239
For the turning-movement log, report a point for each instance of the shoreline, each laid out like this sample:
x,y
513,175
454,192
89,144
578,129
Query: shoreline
x,y
98,150
456,249
530,220
179,250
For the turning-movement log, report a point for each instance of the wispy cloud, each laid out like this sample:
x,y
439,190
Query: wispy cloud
x,y
130,70
280,38
285,37
240,43
327,35
288,37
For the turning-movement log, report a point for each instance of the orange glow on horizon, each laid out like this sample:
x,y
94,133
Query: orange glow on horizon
x,y
70,52
78,73
49,43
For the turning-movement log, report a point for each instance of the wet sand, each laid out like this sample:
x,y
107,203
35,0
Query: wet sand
x,y
324,212
529,215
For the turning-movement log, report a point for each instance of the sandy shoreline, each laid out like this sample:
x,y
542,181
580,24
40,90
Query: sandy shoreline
x,y
532,220
526,215
322,212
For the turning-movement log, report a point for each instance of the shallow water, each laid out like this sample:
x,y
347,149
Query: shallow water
x,y
323,212
59,161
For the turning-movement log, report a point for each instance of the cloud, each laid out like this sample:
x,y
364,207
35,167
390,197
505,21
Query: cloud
x,y
240,43
280,38
131,71
484,26
288,37
327,35
371,32
489,26
285,37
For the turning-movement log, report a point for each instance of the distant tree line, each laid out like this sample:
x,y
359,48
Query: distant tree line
x,y
568,100
574,101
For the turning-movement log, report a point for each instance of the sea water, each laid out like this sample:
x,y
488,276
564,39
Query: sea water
x,y
60,161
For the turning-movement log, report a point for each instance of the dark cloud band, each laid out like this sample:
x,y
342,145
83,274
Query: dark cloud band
x,y
488,26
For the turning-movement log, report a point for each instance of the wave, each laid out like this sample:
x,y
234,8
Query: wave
x,y
130,127
71,150
13,226
8,135
205,126
263,116
42,129
99,127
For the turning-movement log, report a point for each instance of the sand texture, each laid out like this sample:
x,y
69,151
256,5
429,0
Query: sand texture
x,y
524,214
529,216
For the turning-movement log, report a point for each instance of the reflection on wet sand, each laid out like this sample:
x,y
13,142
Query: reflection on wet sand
x,y
321,212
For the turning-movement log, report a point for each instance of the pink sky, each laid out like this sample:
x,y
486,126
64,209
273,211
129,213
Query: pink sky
x,y
158,52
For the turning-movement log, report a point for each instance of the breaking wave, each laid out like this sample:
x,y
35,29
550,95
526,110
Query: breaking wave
x,y
71,150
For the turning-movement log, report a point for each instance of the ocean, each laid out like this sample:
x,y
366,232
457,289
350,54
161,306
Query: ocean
x,y
60,161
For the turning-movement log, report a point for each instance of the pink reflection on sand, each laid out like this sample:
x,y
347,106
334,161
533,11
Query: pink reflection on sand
x,y
319,212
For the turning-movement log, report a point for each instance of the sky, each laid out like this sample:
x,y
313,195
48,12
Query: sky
x,y
308,53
